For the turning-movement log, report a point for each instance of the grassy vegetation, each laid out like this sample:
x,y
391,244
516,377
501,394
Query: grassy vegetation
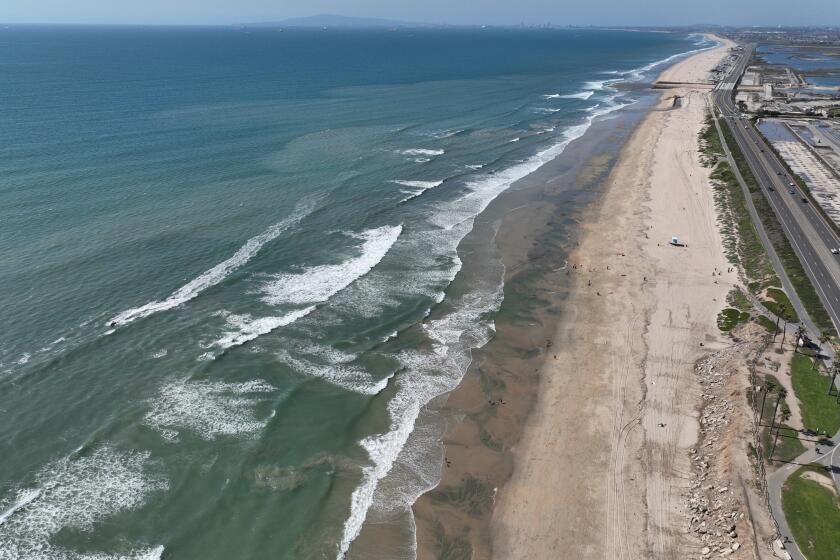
x,y
820,412
710,142
780,305
788,446
737,299
769,325
813,513
730,318
774,230
741,239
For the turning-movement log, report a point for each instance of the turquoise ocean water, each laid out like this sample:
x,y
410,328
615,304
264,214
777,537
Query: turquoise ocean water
x,y
229,278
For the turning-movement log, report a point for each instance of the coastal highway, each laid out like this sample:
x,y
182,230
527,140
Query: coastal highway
x,y
807,230
812,240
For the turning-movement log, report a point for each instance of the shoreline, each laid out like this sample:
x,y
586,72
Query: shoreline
x,y
519,427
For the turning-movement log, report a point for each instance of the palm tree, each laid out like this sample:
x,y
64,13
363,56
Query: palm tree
x,y
823,339
784,332
778,317
800,334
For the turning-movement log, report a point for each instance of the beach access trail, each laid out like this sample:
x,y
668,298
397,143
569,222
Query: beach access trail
x,y
603,463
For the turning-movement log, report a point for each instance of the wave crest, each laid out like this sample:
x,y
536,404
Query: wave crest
x,y
212,276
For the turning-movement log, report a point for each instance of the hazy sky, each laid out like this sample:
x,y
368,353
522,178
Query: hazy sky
x,y
560,12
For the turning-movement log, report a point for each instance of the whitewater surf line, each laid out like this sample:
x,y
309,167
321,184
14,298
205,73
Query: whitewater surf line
x,y
419,186
584,95
319,283
313,286
213,276
404,409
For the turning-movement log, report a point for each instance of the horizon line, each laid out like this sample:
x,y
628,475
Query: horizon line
x,y
407,25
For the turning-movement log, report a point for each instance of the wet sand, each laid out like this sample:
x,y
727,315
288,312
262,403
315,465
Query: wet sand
x,y
569,434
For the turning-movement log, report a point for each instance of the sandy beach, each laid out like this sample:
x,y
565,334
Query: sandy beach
x,y
603,464
616,414
617,409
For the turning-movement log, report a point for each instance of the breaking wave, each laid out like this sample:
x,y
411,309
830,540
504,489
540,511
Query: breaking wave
x,y
423,152
213,276
580,95
207,408
245,328
77,493
417,188
318,283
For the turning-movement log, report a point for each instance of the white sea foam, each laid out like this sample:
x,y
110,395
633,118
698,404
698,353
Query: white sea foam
x,y
76,493
418,188
423,152
208,408
350,378
216,274
424,185
517,139
314,285
428,251
319,283
24,358
598,85
434,250
244,328
638,73
24,498
547,109
160,353
329,353
447,133
453,336
430,374
580,95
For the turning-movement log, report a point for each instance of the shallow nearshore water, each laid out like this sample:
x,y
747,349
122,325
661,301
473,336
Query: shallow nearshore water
x,y
534,225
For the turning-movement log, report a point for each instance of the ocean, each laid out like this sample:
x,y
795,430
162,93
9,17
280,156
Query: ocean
x,y
230,270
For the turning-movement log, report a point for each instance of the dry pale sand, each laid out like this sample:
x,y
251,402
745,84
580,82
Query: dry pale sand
x,y
603,463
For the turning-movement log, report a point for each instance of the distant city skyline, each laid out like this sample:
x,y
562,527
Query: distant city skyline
x,y
491,12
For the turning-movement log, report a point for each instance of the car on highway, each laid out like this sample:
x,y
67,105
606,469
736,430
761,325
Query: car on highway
x,y
804,200
791,184
835,251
